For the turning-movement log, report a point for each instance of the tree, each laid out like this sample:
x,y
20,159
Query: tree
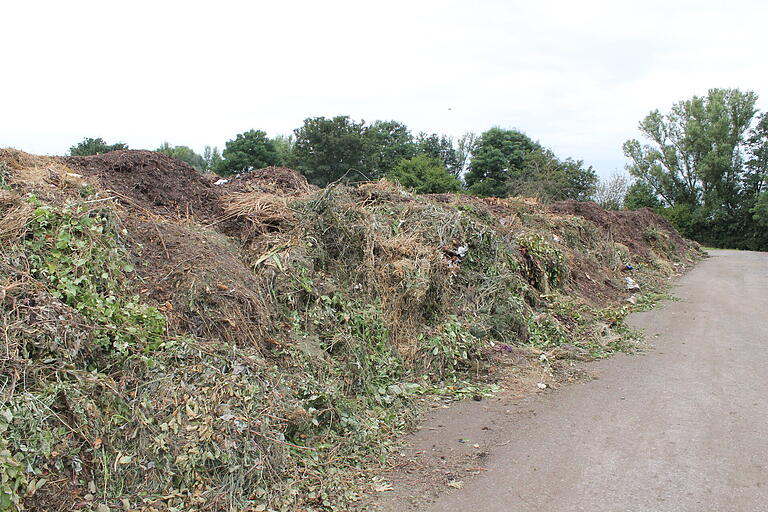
x,y
387,143
548,178
706,160
284,145
248,151
641,195
610,193
760,210
327,150
694,155
91,146
465,147
498,155
183,153
442,148
425,175
212,158
755,179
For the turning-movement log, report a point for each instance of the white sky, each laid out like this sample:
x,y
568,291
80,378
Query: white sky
x,y
577,76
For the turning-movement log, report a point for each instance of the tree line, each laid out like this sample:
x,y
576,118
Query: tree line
x,y
703,165
498,162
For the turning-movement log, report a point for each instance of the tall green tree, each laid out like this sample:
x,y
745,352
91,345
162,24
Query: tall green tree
x,y
183,153
441,147
425,175
705,160
755,178
284,145
498,155
465,147
548,178
641,195
94,146
387,143
694,155
212,157
327,150
247,151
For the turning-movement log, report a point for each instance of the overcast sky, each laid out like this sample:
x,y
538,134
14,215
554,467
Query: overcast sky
x,y
576,76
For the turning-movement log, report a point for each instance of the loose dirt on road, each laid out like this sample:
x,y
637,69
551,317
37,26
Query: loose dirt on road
x,y
681,427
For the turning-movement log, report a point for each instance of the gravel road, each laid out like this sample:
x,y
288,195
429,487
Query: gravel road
x,y
683,427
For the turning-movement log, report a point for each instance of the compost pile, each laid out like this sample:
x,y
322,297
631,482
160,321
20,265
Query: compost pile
x,y
173,341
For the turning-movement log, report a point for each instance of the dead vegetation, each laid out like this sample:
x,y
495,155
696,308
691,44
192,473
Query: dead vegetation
x,y
174,344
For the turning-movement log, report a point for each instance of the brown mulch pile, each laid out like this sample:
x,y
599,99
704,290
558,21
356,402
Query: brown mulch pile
x,y
625,227
152,181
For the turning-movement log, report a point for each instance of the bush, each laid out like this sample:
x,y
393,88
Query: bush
x,y
424,175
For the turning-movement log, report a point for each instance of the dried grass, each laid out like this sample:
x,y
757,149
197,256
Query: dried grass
x,y
39,173
263,212
14,214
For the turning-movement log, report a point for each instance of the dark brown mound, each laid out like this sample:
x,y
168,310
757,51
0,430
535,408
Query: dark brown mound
x,y
199,280
153,181
272,180
629,228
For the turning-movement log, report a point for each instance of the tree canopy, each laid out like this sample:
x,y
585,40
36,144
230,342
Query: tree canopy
x,y
247,151
387,143
185,154
94,146
424,175
498,155
705,161
325,149
442,148
547,178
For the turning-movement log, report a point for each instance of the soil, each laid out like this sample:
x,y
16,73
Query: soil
x,y
198,279
152,182
678,429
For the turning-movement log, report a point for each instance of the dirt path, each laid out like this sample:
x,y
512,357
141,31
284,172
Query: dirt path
x,y
682,428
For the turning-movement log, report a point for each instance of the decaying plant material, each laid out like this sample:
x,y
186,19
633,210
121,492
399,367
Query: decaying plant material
x,y
170,343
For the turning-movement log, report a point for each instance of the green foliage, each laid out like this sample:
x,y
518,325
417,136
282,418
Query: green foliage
x,y
387,143
545,256
508,162
498,154
247,151
211,157
441,147
328,149
548,178
707,160
450,348
13,478
284,145
73,251
641,195
185,154
760,210
425,175
94,146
